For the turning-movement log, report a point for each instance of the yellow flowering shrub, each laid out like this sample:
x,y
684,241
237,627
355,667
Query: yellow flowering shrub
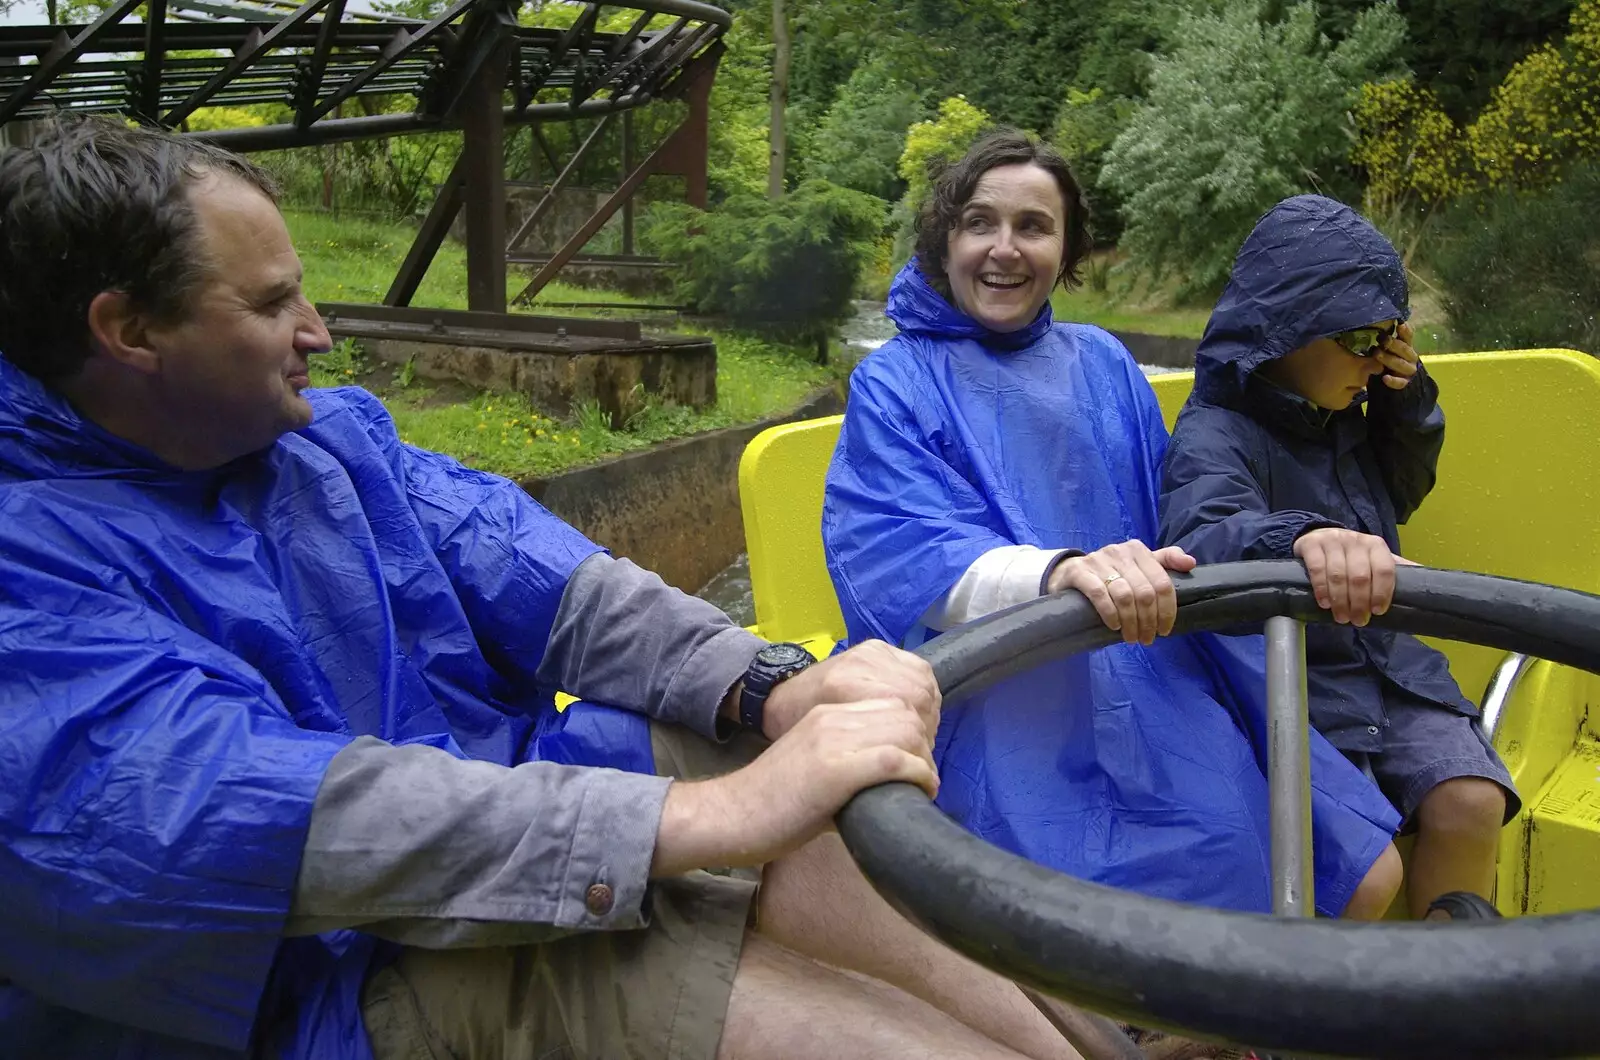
x,y
1543,115
1409,146
948,136
1545,111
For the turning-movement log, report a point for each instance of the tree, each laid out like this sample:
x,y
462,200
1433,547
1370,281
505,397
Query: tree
x,y
941,140
1546,113
928,144
780,99
1540,120
738,152
1462,49
787,267
1087,124
1240,115
858,142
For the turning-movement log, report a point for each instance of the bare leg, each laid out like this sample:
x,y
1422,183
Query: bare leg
x,y
816,902
1376,892
1458,836
785,1007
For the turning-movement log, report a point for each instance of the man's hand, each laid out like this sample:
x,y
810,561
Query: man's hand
x,y
789,795
1352,574
872,670
1128,585
1399,360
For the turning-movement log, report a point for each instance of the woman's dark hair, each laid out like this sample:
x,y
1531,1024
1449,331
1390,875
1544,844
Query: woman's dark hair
x,y
95,205
954,183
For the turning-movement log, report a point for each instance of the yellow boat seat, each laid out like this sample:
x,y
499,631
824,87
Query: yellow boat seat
x,y
780,496
1518,496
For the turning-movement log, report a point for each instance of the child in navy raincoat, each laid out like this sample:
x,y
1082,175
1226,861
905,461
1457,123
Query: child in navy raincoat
x,y
1274,456
990,454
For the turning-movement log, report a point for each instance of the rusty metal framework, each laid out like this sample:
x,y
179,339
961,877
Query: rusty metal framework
x,y
472,67
161,60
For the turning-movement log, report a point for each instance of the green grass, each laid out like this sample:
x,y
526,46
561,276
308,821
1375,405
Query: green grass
x,y
354,260
1089,307
1128,303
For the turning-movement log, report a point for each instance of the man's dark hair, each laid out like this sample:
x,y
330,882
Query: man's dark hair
x,y
95,205
954,183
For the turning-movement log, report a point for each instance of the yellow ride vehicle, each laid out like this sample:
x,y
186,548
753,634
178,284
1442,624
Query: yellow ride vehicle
x,y
1518,496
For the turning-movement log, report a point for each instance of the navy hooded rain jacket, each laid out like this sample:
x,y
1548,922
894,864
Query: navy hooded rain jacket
x,y
1252,466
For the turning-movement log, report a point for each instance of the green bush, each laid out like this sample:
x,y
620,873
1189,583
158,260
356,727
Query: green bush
x,y
1241,114
786,268
858,142
1086,125
1519,271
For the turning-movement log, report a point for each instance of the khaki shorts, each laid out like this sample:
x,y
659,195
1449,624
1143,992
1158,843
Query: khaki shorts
x,y
661,991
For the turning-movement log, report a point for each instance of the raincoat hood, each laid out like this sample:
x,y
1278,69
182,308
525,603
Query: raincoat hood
x,y
1311,268
917,309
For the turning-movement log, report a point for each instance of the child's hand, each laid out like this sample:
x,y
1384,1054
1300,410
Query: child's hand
x,y
1399,360
1352,574
1128,585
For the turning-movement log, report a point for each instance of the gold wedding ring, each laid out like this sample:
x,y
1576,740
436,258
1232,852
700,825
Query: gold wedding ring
x,y
1113,576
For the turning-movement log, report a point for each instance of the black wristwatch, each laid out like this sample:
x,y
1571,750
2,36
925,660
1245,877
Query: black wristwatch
x,y
772,664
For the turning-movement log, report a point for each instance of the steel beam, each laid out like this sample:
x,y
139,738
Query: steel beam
x,y
430,236
556,185
688,159
627,164
337,130
658,43
483,156
443,321
62,54
312,87
601,215
402,44
155,53
252,50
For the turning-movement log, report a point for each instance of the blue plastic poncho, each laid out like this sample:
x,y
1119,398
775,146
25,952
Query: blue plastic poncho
x,y
181,654
1137,767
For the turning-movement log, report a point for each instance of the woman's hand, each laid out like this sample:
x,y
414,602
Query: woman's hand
x,y
1399,360
1128,585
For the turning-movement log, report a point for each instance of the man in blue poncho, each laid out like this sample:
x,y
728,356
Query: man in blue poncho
x,y
989,455
276,717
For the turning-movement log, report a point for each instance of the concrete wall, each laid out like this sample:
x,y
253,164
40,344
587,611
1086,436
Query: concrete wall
x,y
565,216
676,370
673,508
1159,350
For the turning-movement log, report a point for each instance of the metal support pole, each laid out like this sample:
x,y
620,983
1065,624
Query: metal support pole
x,y
627,167
483,158
1289,768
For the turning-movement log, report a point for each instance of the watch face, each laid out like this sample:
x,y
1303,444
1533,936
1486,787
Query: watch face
x,y
783,654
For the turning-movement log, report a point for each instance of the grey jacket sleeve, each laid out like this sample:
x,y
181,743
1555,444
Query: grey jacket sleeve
x,y
420,847
624,637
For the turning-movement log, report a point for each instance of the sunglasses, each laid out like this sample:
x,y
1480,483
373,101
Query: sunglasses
x,y
1366,342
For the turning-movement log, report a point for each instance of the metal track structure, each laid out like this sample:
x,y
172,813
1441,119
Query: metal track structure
x,y
472,67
